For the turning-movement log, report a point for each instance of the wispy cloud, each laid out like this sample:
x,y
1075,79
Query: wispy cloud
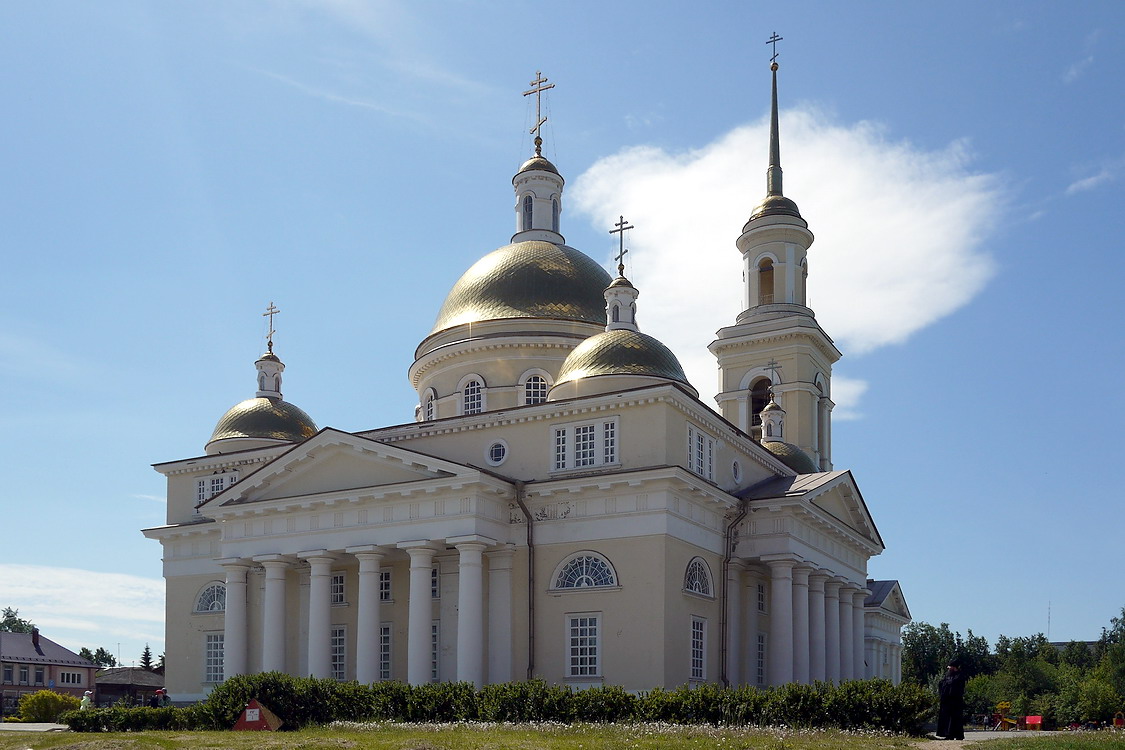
x,y
153,498
79,608
335,98
900,232
23,355
1089,183
1076,69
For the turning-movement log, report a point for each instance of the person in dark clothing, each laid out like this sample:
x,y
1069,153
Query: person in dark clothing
x,y
951,703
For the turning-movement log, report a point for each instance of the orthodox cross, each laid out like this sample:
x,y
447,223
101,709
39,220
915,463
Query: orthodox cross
x,y
270,312
538,88
773,367
774,40
622,227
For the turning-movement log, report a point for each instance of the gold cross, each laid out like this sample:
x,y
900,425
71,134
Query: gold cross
x,y
538,88
622,227
270,312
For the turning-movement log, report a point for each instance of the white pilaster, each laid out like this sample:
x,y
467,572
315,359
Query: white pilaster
x,y
500,614
735,642
470,608
367,613
781,621
320,611
419,611
801,624
832,630
816,627
273,612
847,640
859,668
234,621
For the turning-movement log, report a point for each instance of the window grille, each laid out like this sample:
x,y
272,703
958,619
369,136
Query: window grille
x,y
586,571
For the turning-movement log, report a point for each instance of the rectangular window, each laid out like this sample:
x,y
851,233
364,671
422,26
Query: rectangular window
x,y
762,597
760,674
209,486
385,651
698,648
435,646
582,635
213,658
39,675
337,588
384,585
25,674
435,583
339,652
701,452
70,678
8,674
585,445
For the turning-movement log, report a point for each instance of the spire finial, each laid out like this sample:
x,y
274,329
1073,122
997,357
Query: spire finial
x,y
622,227
774,40
773,174
269,313
537,88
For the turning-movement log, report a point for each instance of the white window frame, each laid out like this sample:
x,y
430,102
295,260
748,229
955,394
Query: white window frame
x,y
705,575
9,672
429,405
337,587
25,674
763,600
582,446
534,377
480,399
214,657
206,487
219,588
386,593
435,650
435,581
582,658
760,660
571,559
338,650
386,651
70,678
40,675
698,652
701,452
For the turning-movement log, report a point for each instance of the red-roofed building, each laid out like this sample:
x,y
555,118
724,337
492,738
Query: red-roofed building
x,y
30,663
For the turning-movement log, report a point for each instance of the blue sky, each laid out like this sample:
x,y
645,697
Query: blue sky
x,y
167,170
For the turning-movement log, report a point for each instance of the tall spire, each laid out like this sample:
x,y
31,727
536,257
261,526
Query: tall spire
x,y
775,204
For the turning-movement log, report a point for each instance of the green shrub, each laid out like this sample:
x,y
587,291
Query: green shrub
x,y
533,700
604,704
45,706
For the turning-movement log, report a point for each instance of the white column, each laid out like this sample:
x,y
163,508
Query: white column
x,y
847,640
859,668
470,610
419,612
896,663
234,620
273,612
832,630
500,614
801,624
734,623
367,613
781,622
816,627
320,614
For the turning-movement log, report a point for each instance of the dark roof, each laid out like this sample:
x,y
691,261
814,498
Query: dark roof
x,y
19,647
788,486
137,676
880,590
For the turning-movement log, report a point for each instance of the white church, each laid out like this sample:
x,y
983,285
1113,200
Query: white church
x,y
563,506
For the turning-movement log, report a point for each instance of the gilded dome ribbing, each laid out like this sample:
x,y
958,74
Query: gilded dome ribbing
x,y
533,279
792,456
622,352
537,163
268,418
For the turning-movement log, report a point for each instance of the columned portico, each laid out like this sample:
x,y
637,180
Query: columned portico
x,y
470,607
832,629
859,669
781,621
320,612
419,611
234,623
847,639
801,623
273,612
816,627
500,614
367,614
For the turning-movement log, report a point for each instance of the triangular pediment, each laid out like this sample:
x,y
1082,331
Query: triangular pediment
x,y
841,499
888,597
334,461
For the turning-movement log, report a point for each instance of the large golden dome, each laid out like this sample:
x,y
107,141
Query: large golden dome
x,y
532,279
622,352
266,418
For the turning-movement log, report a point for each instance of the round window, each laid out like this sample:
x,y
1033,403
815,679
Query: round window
x,y
736,469
497,452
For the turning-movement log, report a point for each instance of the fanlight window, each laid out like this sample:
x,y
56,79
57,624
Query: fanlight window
x,y
586,571
535,390
697,579
213,599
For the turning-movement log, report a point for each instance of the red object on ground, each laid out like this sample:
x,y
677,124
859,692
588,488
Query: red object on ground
x,y
1034,722
257,718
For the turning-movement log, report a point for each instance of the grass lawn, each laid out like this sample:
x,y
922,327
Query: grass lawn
x,y
529,737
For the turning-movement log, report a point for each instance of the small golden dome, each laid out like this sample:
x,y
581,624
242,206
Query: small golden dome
x,y
792,456
267,418
622,352
532,279
537,163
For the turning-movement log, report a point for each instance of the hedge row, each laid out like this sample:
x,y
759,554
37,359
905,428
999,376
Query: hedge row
x,y
303,701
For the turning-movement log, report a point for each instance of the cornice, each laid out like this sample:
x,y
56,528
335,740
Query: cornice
x,y
494,342
222,460
819,341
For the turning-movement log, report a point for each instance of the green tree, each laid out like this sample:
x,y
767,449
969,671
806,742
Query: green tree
x,y
1097,700
101,657
926,650
1077,654
11,622
146,659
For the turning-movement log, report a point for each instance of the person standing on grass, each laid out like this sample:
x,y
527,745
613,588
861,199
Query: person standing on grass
x,y
951,702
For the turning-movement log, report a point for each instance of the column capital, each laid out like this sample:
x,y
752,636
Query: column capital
x,y
832,587
817,580
471,539
366,549
273,558
317,556
235,562
501,558
801,575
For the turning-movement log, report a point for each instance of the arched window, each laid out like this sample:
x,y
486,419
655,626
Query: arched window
x,y
697,578
586,570
554,214
213,598
769,430
527,211
765,282
473,394
759,397
535,390
428,409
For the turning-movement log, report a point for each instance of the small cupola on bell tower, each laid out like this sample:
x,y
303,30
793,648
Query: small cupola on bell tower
x,y
773,421
621,295
538,185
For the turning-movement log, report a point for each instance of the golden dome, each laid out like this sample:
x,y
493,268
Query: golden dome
x,y
532,279
622,352
792,456
267,418
540,163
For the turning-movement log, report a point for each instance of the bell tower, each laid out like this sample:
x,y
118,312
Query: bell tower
x,y
775,344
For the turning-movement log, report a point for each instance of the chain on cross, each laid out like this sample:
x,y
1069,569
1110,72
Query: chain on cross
x,y
270,312
538,88
774,40
622,227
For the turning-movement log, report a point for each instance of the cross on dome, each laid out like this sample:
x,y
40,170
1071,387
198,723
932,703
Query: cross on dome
x,y
538,88
622,227
269,313
774,40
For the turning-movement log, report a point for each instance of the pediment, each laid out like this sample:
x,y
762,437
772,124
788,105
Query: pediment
x,y
842,500
335,461
888,597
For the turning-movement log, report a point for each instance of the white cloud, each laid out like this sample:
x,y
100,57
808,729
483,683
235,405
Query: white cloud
x,y
1076,69
899,228
1089,183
